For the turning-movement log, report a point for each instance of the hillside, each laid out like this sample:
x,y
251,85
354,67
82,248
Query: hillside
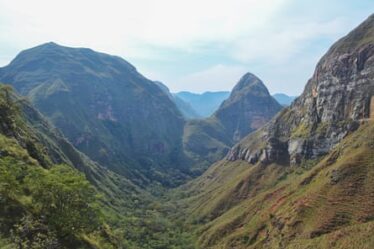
x,y
319,204
305,179
37,165
123,120
53,196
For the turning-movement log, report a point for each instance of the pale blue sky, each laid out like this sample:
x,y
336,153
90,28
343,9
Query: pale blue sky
x,y
194,45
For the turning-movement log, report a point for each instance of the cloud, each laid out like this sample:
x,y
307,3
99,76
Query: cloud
x,y
195,45
278,44
216,78
130,26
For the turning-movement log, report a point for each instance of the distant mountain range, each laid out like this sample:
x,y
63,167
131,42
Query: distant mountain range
x,y
284,99
195,105
204,104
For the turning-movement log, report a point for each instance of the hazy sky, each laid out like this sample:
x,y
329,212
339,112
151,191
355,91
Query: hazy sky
x,y
194,45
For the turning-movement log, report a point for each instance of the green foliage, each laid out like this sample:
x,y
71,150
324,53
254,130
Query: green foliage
x,y
66,199
8,108
43,206
34,234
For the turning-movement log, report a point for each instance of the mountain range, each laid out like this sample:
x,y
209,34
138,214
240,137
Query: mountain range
x,y
95,155
194,105
284,99
204,104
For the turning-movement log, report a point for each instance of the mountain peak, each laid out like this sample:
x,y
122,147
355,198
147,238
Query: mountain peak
x,y
248,107
56,61
50,44
250,83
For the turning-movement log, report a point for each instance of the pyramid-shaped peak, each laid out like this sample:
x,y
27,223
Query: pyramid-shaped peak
x,y
250,83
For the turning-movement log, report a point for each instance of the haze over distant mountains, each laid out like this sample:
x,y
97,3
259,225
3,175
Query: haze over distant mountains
x,y
284,99
205,104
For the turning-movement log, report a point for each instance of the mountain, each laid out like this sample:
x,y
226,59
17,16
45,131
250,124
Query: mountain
x,y
204,104
283,99
248,107
53,196
105,108
185,108
305,179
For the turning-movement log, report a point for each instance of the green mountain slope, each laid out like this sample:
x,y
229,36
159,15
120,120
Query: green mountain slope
x,y
324,204
53,196
105,108
38,170
305,179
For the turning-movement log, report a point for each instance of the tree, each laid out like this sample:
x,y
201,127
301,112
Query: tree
x,y
67,201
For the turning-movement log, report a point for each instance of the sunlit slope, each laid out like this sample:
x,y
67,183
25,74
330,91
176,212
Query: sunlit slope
x,y
237,205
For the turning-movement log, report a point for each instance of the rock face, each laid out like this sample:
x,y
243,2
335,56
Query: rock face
x,y
248,108
105,108
335,100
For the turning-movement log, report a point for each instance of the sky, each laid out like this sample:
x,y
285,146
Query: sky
x,y
191,45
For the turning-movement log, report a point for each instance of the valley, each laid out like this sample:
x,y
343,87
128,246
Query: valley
x,y
95,155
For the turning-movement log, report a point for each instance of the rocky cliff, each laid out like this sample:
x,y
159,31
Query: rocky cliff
x,y
335,100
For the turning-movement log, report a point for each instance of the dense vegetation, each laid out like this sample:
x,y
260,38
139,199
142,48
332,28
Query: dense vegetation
x,y
47,205
123,120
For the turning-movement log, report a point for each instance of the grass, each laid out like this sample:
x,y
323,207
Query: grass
x,y
238,205
301,131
